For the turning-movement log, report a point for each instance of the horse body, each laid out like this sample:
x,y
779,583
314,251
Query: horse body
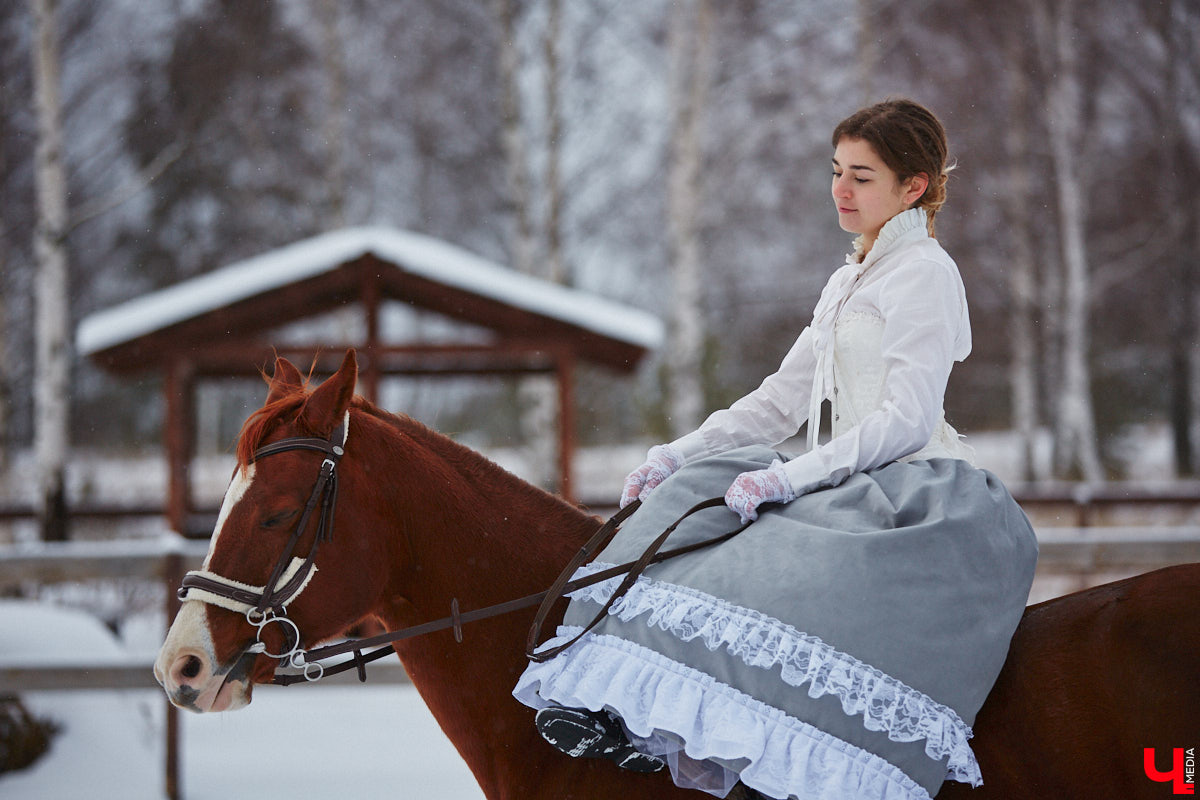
x,y
1091,679
422,521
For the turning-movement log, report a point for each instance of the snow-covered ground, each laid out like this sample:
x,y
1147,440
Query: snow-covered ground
x,y
299,742
359,742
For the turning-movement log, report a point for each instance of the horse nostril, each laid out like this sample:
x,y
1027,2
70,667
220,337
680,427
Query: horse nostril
x,y
191,667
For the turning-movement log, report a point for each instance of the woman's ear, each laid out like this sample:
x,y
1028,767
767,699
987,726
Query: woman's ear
x,y
914,187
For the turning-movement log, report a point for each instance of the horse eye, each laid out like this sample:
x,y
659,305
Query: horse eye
x,y
279,518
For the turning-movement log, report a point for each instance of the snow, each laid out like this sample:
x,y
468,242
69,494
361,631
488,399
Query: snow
x,y
411,252
361,742
356,741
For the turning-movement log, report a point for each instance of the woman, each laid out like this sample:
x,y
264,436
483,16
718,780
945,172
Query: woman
x,y
841,645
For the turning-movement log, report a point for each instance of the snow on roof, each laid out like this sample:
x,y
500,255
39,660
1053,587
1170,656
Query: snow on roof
x,y
412,252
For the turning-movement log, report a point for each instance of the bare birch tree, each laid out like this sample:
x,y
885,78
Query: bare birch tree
x,y
1023,367
1179,171
1076,451
690,46
334,118
51,327
536,395
513,134
554,131
867,57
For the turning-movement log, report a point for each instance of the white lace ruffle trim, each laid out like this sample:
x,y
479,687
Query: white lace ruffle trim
x,y
718,725
885,703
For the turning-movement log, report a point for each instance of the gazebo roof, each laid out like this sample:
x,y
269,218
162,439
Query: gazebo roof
x,y
316,275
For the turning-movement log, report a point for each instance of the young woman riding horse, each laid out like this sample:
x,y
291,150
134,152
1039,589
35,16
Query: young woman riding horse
x,y
841,646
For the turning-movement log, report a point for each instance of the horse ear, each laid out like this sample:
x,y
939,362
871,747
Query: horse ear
x,y
284,381
329,401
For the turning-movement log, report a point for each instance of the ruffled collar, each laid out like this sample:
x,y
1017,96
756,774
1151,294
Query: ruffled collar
x,y
914,219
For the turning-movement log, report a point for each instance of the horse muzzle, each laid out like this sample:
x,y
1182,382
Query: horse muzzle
x,y
190,673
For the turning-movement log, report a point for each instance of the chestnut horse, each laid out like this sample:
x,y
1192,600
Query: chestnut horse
x,y
1091,679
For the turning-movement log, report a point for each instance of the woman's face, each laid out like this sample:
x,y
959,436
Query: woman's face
x,y
866,191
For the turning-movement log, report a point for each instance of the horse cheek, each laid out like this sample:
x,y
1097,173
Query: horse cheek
x,y
264,669
226,634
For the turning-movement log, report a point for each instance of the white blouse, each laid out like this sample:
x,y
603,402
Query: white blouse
x,y
881,344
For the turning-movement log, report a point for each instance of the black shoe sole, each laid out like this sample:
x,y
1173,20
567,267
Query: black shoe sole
x,y
585,734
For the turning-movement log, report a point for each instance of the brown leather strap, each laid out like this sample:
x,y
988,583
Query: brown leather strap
x,y
635,570
585,554
562,586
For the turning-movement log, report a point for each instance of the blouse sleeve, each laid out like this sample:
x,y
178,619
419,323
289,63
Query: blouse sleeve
x,y
923,311
768,415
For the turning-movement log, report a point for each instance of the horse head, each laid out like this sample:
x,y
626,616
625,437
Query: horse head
x,y
263,592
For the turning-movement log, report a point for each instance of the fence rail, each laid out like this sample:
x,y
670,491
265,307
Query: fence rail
x,y
1086,550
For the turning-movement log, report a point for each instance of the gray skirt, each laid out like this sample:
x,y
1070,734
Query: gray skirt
x,y
839,647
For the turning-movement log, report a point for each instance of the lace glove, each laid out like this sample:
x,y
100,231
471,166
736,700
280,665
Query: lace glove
x,y
752,489
662,461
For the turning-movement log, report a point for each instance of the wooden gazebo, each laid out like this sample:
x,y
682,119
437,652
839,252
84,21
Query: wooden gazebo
x,y
221,324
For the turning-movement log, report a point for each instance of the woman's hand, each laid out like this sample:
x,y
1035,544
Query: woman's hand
x,y
752,489
662,461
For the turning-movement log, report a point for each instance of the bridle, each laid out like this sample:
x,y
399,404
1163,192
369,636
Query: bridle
x,y
268,604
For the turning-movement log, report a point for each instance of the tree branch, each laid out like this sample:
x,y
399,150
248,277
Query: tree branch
x,y
137,184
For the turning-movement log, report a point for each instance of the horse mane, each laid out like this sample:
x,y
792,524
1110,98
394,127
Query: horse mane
x,y
482,470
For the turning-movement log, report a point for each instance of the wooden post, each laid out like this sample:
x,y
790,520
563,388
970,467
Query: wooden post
x,y
180,440
371,294
172,576
565,371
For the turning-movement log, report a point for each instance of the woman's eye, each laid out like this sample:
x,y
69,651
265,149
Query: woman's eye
x,y
856,178
278,519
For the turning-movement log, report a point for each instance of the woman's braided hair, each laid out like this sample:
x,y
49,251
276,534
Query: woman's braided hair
x,y
910,140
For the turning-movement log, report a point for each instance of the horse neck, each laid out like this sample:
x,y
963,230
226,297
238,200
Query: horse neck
x,y
475,531
479,535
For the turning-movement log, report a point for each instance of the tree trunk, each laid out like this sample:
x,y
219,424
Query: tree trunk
x,y
554,127
53,356
1077,453
1023,369
513,136
690,48
537,396
333,121
1179,171
867,52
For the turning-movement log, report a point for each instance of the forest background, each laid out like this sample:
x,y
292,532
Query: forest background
x,y
669,155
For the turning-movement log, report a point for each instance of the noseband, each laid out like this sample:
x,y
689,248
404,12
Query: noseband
x,y
268,603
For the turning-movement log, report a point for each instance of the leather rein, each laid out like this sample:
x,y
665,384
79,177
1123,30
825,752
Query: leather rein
x,y
268,604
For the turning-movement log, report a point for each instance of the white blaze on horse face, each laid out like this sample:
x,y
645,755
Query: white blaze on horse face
x,y
238,486
189,634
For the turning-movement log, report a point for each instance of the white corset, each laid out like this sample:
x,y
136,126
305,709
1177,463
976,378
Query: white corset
x,y
858,385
